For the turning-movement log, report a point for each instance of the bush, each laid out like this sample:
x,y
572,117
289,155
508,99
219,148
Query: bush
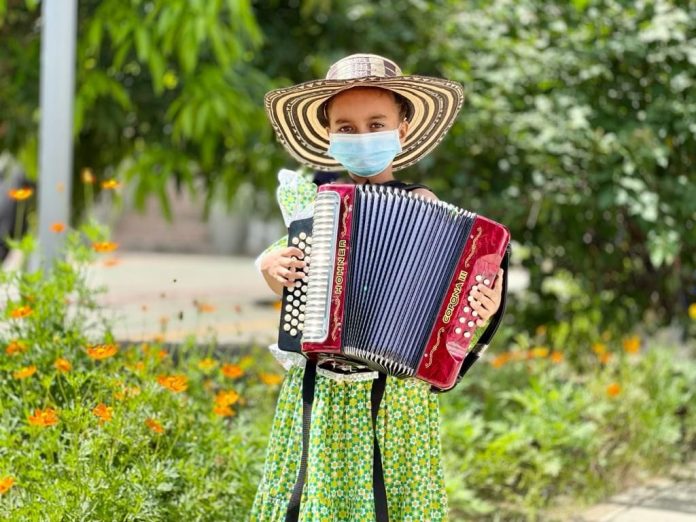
x,y
90,429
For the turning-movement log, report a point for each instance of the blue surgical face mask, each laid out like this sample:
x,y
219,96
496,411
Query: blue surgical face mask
x,y
365,154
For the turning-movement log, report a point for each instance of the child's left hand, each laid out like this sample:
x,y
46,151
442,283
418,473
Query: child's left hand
x,y
485,301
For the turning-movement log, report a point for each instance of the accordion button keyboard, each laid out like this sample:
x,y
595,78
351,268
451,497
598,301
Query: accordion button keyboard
x,y
301,245
462,320
470,324
467,334
467,309
293,332
303,236
474,313
479,278
487,282
295,240
458,330
286,327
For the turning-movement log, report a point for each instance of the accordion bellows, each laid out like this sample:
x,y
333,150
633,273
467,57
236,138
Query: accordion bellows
x,y
387,284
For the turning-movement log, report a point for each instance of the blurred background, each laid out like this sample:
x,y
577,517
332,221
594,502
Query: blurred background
x,y
578,132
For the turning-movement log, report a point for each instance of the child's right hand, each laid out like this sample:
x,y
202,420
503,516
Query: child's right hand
x,y
282,267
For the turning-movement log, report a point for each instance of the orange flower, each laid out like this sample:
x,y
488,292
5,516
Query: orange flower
x,y
5,484
632,344
270,379
604,358
87,176
692,311
204,308
57,227
539,351
223,411
112,261
21,312
232,371
226,397
16,347
613,389
500,360
62,365
556,357
110,184
102,351
20,194
103,412
599,348
47,417
154,425
174,383
104,246
25,372
206,364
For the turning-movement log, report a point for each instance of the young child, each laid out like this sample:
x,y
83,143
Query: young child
x,y
369,119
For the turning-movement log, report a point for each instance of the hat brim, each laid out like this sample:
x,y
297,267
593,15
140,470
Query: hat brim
x,y
294,114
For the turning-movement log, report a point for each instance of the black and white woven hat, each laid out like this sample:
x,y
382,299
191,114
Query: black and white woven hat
x,y
297,112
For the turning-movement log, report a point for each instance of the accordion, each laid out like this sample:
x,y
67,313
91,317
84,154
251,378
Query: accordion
x,y
387,278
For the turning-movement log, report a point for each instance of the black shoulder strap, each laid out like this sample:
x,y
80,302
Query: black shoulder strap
x,y
379,491
308,384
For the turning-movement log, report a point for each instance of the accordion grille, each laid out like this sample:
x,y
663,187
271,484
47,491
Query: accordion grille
x,y
404,252
321,267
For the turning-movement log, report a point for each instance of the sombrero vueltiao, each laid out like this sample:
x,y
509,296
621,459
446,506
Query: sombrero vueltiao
x,y
297,112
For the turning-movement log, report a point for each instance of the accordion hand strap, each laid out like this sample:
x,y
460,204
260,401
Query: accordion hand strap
x,y
493,325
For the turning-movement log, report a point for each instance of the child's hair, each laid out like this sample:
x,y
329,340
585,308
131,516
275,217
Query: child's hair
x,y
405,108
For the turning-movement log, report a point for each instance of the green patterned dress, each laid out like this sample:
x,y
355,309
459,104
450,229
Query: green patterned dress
x,y
338,485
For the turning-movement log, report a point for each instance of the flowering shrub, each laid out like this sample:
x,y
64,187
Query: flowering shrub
x,y
94,430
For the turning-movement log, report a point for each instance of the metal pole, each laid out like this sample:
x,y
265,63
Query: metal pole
x,y
58,37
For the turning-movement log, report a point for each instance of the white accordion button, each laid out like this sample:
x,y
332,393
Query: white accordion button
x,y
486,282
479,278
303,236
293,332
287,317
467,309
295,240
458,330
286,327
303,298
300,327
467,334
302,308
470,324
288,308
474,313
462,320
294,322
295,312
308,250
301,317
301,245
309,240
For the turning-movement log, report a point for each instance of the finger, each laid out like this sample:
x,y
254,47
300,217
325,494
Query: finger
x,y
488,292
297,263
487,300
499,281
292,251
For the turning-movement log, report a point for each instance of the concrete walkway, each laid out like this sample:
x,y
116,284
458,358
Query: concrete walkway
x,y
670,499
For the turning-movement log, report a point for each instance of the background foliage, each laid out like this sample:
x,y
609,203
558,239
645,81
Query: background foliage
x,y
578,130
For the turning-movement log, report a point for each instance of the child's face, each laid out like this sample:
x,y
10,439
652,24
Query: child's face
x,y
365,109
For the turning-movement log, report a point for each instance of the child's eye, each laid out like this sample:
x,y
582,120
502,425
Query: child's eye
x,y
376,125
345,128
